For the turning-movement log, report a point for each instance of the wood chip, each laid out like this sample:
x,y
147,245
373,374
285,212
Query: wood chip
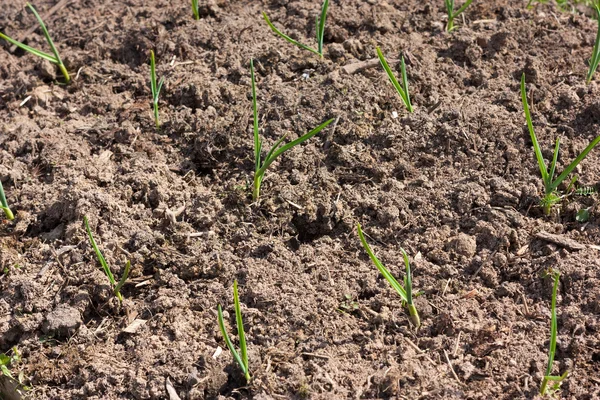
x,y
135,326
171,390
362,65
560,240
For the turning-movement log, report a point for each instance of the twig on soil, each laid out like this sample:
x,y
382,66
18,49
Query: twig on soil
x,y
316,356
414,346
560,240
456,344
451,367
362,65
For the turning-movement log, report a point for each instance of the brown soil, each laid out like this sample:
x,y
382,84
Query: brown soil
x,y
455,184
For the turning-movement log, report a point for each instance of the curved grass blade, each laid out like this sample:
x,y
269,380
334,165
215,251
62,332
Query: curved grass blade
x,y
536,145
104,264
403,92
232,349
574,164
4,204
31,50
123,278
291,144
240,328
242,359
53,59
289,39
595,59
548,377
101,259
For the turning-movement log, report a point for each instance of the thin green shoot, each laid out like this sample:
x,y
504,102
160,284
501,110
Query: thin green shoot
x,y
195,9
260,164
319,27
453,14
55,59
405,292
402,90
116,286
155,87
595,60
4,204
548,377
551,194
242,359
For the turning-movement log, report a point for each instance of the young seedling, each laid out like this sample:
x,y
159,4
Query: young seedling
x,y
261,165
405,291
195,9
4,205
548,377
6,362
242,359
320,28
52,58
551,194
452,15
402,90
117,286
595,60
155,87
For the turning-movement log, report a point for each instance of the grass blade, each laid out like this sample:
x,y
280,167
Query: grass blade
x,y
4,204
536,145
195,9
403,92
382,269
405,84
574,164
291,144
554,160
595,59
257,141
240,328
289,39
234,353
101,259
155,88
552,348
462,8
58,61
31,50
321,26
123,278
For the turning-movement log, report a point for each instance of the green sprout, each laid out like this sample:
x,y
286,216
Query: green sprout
x,y
55,59
405,291
451,14
155,87
595,60
4,204
402,90
548,377
260,165
243,359
195,9
7,361
551,195
117,286
320,28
